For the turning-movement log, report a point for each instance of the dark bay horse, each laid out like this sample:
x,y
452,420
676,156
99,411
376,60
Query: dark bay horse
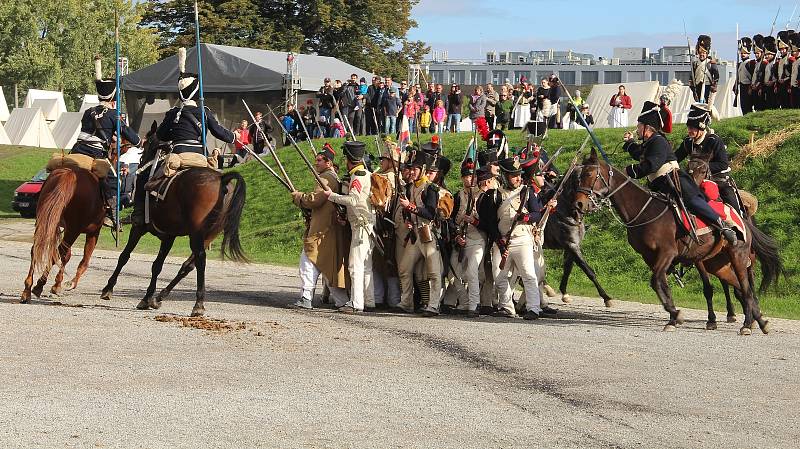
x,y
201,203
70,200
565,231
653,233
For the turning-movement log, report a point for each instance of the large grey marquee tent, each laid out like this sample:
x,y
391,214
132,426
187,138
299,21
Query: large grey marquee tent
x,y
231,74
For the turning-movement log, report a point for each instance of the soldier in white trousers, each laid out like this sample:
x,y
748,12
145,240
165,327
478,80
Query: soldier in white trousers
x,y
361,217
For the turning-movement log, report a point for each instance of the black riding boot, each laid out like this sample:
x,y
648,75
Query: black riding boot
x,y
727,232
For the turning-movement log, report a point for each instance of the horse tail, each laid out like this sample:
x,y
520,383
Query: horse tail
x,y
231,246
768,255
57,193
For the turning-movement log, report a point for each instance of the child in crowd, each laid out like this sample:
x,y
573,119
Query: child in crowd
x,y
337,129
425,119
439,115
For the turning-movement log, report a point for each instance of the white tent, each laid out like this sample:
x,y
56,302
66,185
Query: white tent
x,y
50,108
36,94
598,100
3,106
4,140
89,101
66,129
27,126
723,102
680,104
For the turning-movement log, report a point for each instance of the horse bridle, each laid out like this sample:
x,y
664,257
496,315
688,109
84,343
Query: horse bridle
x,y
600,199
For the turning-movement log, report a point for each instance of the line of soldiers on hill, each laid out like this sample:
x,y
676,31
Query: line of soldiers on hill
x,y
415,246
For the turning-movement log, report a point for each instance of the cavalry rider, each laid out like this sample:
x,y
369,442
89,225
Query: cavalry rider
x,y
657,162
182,124
706,74
509,214
361,216
701,143
98,131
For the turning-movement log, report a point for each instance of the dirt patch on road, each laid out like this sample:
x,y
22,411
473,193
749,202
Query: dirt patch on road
x,y
215,325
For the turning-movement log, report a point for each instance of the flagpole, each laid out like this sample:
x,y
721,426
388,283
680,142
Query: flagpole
x,y
118,101
200,78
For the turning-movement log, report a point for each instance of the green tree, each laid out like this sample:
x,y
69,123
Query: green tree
x,y
370,34
51,45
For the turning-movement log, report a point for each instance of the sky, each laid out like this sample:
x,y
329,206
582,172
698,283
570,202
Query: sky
x,y
467,29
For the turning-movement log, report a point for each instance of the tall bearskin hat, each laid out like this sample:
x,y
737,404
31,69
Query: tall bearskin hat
x,y
652,115
746,45
699,116
758,43
106,88
783,39
188,83
703,42
794,42
770,45
354,151
468,167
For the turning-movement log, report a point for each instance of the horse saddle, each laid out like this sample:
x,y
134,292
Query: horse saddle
x,y
170,168
98,167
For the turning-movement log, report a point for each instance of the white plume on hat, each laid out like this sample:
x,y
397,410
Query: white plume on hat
x,y
181,60
98,68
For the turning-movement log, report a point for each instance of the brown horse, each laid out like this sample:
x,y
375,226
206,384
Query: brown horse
x,y
69,199
654,234
201,203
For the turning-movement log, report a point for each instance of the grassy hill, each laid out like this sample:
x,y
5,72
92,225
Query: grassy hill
x,y
272,227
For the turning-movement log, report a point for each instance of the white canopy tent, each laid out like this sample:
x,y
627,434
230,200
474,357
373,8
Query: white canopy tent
x,y
4,140
598,100
27,126
49,107
89,101
3,106
680,104
66,129
36,94
723,102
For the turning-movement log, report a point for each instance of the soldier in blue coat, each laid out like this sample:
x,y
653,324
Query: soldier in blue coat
x,y
657,162
182,125
98,130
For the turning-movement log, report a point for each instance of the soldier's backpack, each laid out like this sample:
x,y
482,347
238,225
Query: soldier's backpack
x,y
380,191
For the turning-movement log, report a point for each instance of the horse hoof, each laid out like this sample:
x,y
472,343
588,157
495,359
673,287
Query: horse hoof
x,y
766,327
548,290
56,291
711,326
679,318
731,318
745,331
566,299
198,311
669,328
143,305
106,295
36,291
154,304
72,285
753,324
609,303
25,298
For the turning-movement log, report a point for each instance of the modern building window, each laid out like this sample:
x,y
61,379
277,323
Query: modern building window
x,y
635,76
437,76
456,77
518,74
683,77
499,76
661,76
540,74
612,77
589,77
567,76
477,77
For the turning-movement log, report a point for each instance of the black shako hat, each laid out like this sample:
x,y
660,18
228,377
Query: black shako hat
x,y
106,88
419,159
652,115
510,166
354,150
486,157
467,167
699,116
484,174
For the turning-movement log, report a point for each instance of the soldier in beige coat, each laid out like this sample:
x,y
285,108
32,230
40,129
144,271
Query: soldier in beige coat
x,y
325,241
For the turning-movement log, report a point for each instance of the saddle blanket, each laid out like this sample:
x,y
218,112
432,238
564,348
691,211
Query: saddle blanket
x,y
99,167
170,168
729,216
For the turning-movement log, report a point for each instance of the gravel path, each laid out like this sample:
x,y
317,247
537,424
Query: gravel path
x,y
80,372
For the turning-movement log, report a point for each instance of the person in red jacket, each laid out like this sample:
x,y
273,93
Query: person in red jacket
x,y
664,105
620,103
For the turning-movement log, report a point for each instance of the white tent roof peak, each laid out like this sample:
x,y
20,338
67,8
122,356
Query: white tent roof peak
x,y
37,94
27,126
66,129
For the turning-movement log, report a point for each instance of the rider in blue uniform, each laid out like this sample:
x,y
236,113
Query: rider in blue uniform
x,y
182,124
657,162
98,128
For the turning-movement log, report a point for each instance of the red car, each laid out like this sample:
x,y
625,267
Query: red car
x,y
27,195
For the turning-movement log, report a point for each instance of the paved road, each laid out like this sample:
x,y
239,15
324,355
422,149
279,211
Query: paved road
x,y
80,372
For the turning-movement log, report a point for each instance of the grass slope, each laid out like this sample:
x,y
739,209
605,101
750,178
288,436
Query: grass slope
x,y
271,226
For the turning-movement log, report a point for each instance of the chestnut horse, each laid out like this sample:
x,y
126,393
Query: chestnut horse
x,y
653,233
70,199
201,203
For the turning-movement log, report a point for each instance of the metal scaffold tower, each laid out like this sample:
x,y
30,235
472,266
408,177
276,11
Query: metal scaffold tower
x,y
291,80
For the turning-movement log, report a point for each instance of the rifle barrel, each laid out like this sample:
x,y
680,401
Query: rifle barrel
x,y
269,145
297,147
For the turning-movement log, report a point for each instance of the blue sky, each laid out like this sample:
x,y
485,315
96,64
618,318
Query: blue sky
x,y
464,27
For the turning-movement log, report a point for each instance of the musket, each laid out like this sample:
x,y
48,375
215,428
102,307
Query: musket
x,y
119,119
552,158
300,151
543,221
200,79
691,63
774,21
269,146
261,161
788,22
305,130
595,140
462,232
